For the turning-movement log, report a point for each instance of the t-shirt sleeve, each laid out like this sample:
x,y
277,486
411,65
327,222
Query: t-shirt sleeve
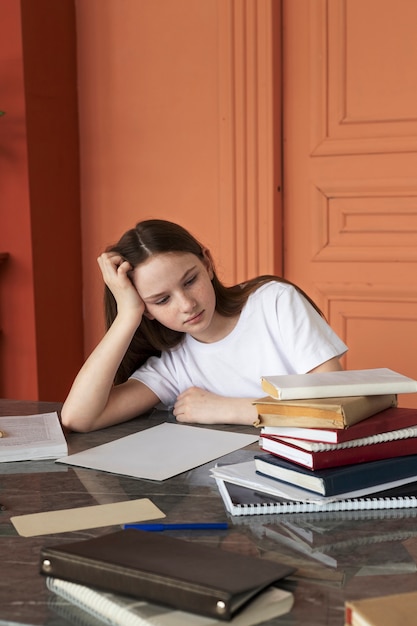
x,y
158,373
308,339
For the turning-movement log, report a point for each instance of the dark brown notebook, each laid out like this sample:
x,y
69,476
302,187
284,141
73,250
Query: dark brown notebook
x,y
178,573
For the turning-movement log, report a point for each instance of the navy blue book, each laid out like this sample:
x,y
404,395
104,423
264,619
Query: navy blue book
x,y
335,480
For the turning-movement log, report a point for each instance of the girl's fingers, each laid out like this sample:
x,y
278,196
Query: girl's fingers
x,y
108,258
113,265
124,266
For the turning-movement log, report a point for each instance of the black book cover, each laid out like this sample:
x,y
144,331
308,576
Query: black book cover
x,y
178,573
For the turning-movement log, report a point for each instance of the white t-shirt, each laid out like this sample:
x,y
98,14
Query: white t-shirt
x,y
278,332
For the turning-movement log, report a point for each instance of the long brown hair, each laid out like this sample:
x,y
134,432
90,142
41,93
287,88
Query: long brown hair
x,y
156,236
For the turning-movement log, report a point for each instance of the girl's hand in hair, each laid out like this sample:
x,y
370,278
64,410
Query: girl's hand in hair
x,y
115,271
199,406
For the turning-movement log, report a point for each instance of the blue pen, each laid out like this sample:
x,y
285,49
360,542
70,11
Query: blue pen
x,y
191,526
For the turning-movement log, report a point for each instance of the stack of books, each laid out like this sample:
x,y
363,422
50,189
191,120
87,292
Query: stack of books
x,y
329,443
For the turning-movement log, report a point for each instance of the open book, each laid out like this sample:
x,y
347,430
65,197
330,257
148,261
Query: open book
x,y
31,437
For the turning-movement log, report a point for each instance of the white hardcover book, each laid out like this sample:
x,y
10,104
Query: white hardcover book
x,y
366,382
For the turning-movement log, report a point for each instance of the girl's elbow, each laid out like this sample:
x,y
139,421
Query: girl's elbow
x,y
74,423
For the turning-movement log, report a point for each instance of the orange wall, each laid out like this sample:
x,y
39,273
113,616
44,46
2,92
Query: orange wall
x,y
40,298
149,124
176,121
177,118
18,373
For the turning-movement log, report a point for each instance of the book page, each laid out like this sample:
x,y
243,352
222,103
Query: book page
x,y
27,437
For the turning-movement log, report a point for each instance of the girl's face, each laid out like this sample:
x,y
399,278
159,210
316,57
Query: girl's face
x,y
177,291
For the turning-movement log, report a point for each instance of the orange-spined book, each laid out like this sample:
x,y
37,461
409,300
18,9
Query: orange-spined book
x,y
339,412
389,420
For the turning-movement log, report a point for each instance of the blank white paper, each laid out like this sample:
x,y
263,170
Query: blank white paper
x,y
160,452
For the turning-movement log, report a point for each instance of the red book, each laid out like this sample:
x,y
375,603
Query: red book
x,y
335,456
390,419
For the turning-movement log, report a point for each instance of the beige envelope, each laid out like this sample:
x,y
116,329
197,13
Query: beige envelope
x,y
81,518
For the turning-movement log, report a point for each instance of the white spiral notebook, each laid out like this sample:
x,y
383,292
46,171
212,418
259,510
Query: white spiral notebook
x,y
240,500
244,492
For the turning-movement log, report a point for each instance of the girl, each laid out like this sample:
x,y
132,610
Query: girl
x,y
177,335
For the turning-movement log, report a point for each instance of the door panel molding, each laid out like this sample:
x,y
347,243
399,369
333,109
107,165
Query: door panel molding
x,y
347,124
364,220
350,163
248,171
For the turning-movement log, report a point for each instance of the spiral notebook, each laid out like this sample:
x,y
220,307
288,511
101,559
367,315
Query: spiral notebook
x,y
244,492
241,500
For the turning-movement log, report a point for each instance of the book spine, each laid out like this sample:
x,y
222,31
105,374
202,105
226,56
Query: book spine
x,y
269,419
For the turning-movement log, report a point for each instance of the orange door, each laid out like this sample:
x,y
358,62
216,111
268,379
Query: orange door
x,y
350,172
